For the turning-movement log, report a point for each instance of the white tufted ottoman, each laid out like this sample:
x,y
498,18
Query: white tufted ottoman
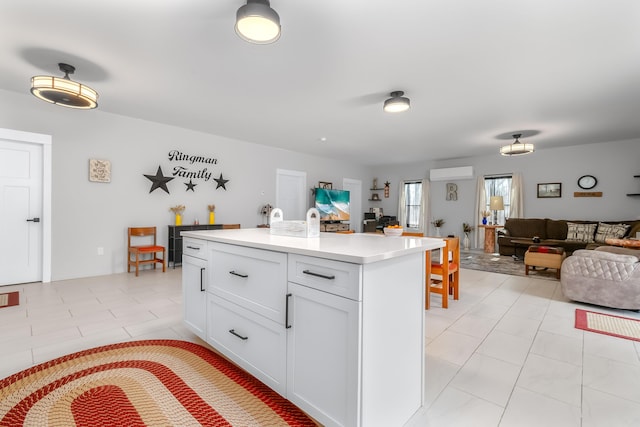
x,y
544,256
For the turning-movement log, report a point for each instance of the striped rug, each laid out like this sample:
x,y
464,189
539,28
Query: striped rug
x,y
143,383
607,324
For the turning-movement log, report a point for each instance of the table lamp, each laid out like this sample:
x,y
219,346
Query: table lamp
x,y
496,204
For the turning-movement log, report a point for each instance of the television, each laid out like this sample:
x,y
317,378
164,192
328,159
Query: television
x,y
333,205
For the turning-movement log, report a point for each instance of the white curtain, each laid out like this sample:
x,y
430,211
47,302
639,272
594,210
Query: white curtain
x,y
516,197
481,205
425,206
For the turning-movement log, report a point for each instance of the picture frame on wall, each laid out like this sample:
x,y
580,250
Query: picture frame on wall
x,y
99,170
549,190
325,185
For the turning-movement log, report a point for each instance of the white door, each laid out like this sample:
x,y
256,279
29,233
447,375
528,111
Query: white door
x,y
354,187
20,212
291,194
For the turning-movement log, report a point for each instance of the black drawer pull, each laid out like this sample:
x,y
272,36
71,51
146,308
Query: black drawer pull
x,y
238,274
324,276
233,332
201,280
193,247
286,312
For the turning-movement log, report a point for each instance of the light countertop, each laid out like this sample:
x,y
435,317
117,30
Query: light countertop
x,y
357,248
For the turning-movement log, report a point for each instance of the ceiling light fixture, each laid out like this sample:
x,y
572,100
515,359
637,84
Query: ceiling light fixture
x,y
517,148
64,91
257,23
397,103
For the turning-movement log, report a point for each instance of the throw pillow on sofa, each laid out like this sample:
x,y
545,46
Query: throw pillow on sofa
x,y
581,232
610,231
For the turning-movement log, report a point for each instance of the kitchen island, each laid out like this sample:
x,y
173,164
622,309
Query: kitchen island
x,y
334,323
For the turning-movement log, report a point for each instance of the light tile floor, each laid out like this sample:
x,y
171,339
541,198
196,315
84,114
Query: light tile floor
x,y
506,354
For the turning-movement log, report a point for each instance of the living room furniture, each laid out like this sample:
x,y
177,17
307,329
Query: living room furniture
x,y
175,238
447,266
625,243
147,245
545,257
489,237
608,276
336,326
568,234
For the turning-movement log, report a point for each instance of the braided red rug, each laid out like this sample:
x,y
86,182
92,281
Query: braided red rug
x,y
143,383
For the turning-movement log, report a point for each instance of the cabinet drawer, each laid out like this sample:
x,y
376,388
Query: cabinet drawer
x,y
251,341
335,277
252,278
195,248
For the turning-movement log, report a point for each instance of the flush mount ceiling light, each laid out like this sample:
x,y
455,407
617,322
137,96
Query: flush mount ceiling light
x,y
397,103
517,148
257,23
64,91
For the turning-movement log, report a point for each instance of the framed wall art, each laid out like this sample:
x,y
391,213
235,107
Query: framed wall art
x,y
549,190
325,185
99,170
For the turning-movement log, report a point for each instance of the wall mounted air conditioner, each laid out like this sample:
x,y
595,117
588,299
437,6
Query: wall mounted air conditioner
x,y
451,174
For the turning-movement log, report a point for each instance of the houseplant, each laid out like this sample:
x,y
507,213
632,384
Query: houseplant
x,y
437,223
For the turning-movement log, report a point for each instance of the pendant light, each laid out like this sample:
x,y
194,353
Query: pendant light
x,y
397,103
517,148
257,23
64,91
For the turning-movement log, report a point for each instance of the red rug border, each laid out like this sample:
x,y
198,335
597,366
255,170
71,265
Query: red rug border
x,y
13,300
581,323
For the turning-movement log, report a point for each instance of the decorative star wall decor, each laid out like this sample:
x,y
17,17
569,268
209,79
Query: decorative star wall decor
x,y
221,182
159,180
190,186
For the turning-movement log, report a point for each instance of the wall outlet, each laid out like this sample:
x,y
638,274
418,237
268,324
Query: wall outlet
x,y
100,250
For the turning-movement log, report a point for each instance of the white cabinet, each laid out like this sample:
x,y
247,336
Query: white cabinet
x,y
323,346
194,286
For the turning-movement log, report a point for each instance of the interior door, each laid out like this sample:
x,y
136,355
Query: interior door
x,y
354,186
20,212
291,194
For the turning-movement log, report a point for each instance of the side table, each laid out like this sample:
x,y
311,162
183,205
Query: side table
x,y
490,237
174,247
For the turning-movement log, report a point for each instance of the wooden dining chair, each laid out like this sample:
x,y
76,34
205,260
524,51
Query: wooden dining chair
x,y
447,268
146,237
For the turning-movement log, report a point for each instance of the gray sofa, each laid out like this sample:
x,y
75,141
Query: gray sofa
x,y
552,232
608,276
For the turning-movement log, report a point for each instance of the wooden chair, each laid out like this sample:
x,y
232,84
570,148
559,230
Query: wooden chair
x,y
449,271
151,247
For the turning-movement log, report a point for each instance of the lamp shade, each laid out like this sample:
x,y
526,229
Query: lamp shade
x,y
496,203
257,22
397,103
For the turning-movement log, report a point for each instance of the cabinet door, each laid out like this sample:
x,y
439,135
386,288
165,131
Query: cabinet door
x,y
194,286
323,349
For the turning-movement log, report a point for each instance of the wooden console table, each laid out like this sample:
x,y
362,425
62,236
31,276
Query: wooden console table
x,y
490,237
174,247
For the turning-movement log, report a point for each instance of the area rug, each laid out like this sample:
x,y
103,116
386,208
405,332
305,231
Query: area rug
x,y
9,299
607,324
143,383
477,260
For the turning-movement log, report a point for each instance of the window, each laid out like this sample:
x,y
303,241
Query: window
x,y
413,200
499,186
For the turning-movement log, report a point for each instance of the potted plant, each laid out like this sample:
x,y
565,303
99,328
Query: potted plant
x,y
466,228
485,215
437,223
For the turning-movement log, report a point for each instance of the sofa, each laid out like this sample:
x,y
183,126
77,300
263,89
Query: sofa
x,y
567,234
608,276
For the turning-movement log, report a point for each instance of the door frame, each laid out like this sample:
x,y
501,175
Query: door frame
x,y
45,141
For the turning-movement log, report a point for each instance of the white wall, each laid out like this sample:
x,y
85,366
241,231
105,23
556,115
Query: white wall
x,y
87,215
612,163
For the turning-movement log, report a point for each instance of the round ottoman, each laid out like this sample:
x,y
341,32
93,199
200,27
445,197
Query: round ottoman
x,y
544,256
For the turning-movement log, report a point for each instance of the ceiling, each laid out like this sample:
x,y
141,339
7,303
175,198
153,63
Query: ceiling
x,y
560,72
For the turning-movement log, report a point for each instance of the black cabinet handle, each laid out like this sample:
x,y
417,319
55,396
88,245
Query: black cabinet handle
x,y
286,312
238,274
201,280
34,220
193,247
233,332
323,276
